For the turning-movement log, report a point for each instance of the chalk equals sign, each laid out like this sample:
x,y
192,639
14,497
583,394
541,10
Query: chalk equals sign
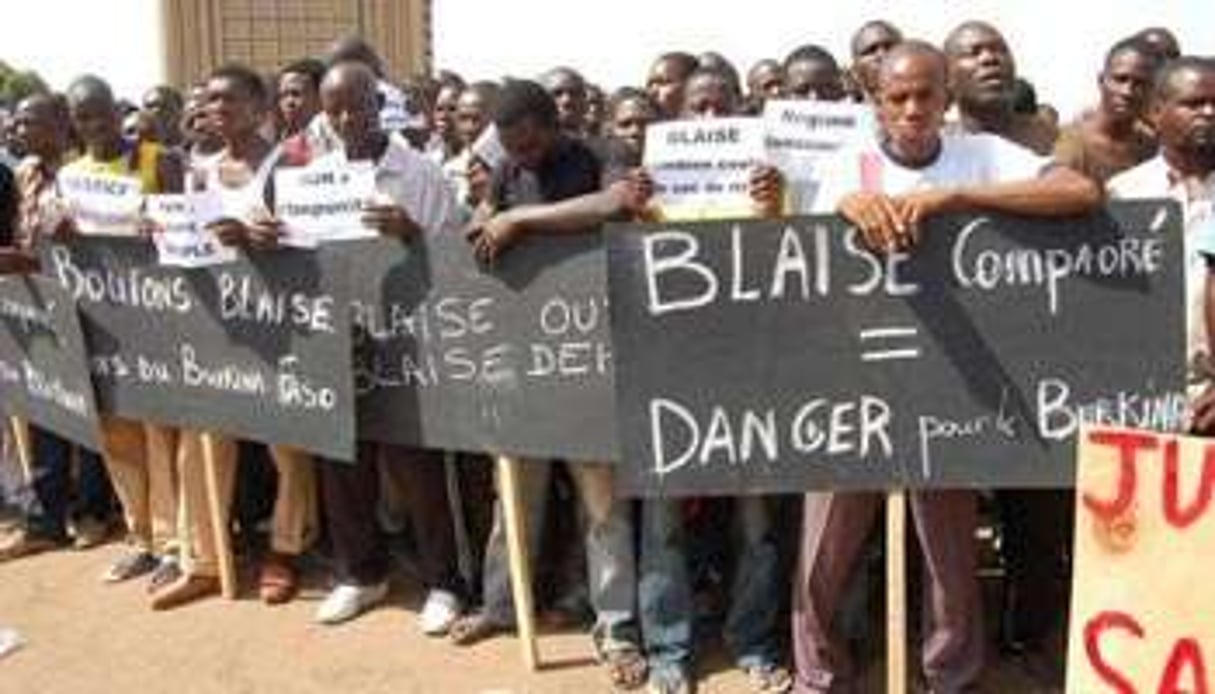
x,y
883,344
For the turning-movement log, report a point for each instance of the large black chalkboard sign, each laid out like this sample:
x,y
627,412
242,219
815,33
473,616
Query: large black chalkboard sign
x,y
43,373
761,356
259,348
513,358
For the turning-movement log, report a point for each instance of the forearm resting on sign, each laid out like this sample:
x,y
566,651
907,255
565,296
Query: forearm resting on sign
x,y
1059,192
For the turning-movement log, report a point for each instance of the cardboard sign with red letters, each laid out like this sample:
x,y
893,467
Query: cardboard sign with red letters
x,y
1143,611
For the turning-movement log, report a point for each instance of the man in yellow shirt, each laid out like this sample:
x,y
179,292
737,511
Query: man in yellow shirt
x,y
140,456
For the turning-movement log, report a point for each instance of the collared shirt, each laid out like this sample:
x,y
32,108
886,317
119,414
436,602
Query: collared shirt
x,y
1155,179
38,208
413,182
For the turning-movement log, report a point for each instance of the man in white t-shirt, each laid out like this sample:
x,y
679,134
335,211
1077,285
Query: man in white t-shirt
x,y
917,172
1183,115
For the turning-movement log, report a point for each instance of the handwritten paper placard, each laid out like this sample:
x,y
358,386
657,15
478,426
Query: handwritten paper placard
x,y
102,203
1143,612
324,202
181,236
701,167
800,135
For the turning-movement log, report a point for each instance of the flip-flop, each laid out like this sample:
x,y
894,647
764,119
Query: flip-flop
x,y
471,629
131,565
627,669
277,583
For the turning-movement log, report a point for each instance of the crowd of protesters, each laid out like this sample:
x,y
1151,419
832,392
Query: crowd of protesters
x,y
499,161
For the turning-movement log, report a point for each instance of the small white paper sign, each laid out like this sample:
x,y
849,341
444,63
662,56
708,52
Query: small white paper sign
x,y
102,203
324,202
395,113
802,135
182,239
701,168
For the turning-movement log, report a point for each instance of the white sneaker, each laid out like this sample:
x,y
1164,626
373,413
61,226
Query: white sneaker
x,y
348,601
441,610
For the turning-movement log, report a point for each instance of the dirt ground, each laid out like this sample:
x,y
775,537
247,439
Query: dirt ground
x,y
83,636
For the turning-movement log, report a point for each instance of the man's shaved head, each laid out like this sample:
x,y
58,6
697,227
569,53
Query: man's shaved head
x,y
561,74
350,75
1163,41
568,89
89,88
41,123
954,41
351,103
1183,111
875,30
914,55
44,104
1175,73
869,46
981,66
911,100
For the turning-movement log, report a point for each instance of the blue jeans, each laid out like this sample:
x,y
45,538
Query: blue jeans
x,y
665,590
48,503
611,567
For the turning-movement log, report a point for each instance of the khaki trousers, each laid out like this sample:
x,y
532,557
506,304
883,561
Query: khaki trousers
x,y
141,458
294,522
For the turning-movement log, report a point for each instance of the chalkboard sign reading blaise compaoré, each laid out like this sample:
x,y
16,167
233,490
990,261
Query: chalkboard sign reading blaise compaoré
x,y
763,356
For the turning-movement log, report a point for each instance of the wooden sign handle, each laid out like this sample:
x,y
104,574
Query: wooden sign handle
x,y
21,441
219,526
896,592
511,498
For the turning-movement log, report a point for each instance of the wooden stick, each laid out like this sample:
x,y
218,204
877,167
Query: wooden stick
x,y
219,525
896,592
21,440
511,498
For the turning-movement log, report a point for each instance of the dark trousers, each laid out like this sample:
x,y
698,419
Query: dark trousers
x,y
351,494
835,526
49,502
1036,541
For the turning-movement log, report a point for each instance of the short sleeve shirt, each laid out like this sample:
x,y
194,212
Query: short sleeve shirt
x,y
572,169
963,160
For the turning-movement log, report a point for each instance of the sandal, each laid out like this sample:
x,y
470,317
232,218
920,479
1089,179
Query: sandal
x,y
167,571
277,583
473,628
770,679
626,668
133,564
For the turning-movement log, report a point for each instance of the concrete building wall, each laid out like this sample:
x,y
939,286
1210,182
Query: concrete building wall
x,y
198,35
